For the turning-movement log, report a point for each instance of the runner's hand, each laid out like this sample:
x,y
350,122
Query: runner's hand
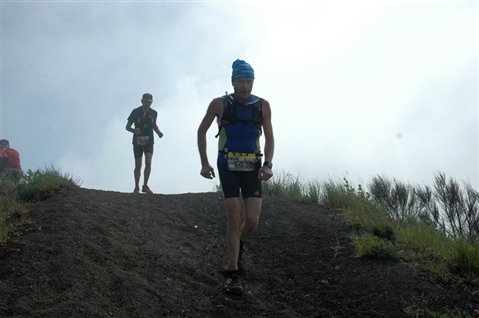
x,y
265,173
208,172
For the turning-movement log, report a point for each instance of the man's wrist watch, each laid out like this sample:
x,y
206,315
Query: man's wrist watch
x,y
269,164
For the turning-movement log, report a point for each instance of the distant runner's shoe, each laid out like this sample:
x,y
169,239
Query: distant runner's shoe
x,y
233,284
146,189
137,190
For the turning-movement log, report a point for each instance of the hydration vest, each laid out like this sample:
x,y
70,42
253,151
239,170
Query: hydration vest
x,y
145,121
230,115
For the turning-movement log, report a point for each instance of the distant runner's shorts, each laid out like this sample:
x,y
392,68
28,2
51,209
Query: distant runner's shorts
x,y
139,150
233,181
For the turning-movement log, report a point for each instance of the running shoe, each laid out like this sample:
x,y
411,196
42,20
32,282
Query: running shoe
x,y
233,284
146,189
137,190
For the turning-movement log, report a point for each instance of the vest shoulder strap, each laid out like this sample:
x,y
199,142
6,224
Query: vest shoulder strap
x,y
230,115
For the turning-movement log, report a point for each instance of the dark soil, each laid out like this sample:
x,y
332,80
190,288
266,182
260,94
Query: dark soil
x,y
91,253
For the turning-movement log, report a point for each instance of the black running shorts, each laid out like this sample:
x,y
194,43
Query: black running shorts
x,y
233,181
139,150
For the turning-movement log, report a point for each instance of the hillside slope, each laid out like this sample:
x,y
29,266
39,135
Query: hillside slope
x,y
92,253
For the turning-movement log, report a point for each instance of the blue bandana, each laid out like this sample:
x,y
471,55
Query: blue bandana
x,y
241,69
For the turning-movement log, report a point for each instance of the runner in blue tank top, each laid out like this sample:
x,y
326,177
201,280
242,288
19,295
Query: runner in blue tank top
x,y
242,118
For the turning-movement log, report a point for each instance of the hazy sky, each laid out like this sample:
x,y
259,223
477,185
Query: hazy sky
x,y
356,88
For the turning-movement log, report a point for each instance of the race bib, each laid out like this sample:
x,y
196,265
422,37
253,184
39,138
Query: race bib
x,y
142,140
241,161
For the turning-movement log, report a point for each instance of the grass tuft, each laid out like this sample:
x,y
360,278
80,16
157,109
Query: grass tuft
x,y
41,184
31,186
370,246
467,258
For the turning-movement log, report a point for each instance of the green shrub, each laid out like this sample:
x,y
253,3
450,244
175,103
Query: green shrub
x,y
32,186
41,184
383,230
370,246
396,197
467,258
426,241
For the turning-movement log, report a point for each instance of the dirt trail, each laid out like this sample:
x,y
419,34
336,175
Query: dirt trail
x,y
92,253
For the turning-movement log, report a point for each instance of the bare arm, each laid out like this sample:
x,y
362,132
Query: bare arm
x,y
265,172
214,109
131,129
157,130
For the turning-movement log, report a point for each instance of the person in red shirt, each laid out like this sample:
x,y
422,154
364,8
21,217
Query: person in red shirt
x,y
9,159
